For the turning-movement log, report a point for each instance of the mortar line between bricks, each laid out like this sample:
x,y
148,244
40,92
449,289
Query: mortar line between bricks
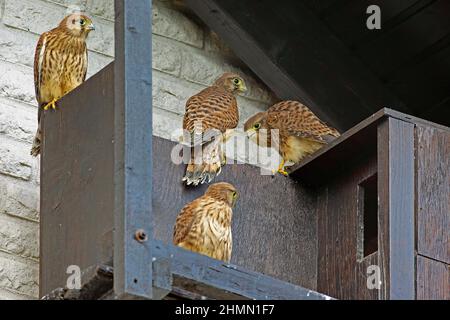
x,y
20,218
22,259
17,293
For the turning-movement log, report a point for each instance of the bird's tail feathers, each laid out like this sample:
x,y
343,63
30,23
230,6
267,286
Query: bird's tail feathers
x,y
206,165
36,148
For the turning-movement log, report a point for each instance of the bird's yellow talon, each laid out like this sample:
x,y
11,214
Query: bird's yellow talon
x,y
51,104
283,172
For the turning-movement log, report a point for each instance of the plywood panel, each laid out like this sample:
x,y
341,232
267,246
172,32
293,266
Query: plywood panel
x,y
340,274
77,181
433,279
274,222
433,192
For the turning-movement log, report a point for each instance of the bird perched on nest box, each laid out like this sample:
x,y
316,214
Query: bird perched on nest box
x,y
210,113
60,64
300,131
204,225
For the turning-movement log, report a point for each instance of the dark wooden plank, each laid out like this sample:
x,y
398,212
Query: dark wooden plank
x,y
274,224
133,148
298,57
77,181
396,208
400,45
217,280
341,272
433,192
433,279
320,6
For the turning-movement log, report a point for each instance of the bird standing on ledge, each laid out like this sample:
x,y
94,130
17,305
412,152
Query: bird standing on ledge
x,y
300,131
204,225
60,64
212,111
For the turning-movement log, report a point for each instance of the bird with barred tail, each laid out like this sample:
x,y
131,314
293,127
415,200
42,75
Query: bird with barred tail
x,y
209,116
204,225
300,131
60,64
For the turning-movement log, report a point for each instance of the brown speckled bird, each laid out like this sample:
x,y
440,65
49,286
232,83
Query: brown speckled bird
x,y
301,132
60,64
204,225
210,112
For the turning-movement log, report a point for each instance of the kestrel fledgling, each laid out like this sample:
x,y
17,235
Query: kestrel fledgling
x,y
212,111
204,225
60,64
300,131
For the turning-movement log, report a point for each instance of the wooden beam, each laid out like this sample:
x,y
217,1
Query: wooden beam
x,y
133,149
295,54
396,185
214,279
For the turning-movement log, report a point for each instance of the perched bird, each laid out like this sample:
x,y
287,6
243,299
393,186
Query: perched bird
x,y
204,225
60,64
300,131
210,112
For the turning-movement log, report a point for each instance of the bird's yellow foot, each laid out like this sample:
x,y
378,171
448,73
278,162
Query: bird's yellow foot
x,y
51,104
283,172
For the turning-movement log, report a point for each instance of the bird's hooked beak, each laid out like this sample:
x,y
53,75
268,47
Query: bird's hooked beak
x,y
242,87
91,27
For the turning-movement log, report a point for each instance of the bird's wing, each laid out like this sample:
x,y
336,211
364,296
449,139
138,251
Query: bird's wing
x,y
86,59
39,56
213,108
293,118
185,221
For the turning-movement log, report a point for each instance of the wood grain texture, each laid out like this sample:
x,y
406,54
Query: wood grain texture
x,y
433,193
274,222
132,147
396,208
77,181
340,273
433,279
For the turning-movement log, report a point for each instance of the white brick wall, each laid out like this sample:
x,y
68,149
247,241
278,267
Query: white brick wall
x,y
186,58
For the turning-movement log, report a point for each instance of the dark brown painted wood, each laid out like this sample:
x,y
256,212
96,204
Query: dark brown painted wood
x,y
341,273
433,279
396,208
77,181
433,193
274,223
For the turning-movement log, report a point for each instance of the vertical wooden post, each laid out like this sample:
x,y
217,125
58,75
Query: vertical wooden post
x,y
396,208
133,149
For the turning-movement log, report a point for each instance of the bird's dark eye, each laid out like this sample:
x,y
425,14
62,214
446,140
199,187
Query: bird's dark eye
x,y
236,81
257,126
82,22
235,194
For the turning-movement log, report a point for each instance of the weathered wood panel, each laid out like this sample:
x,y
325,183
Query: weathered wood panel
x,y
274,222
433,193
340,273
77,181
433,279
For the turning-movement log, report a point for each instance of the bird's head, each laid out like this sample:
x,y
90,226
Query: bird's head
x,y
255,124
78,25
223,191
231,82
